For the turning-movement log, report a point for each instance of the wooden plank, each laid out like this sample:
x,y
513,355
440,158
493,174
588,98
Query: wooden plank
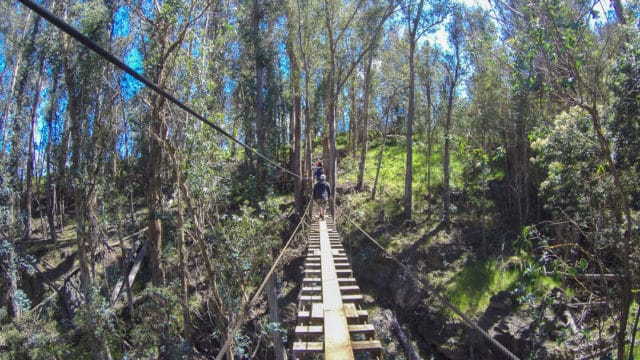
x,y
303,315
371,346
311,289
355,316
311,280
346,280
349,289
337,341
342,272
353,298
317,311
304,347
306,330
366,329
310,298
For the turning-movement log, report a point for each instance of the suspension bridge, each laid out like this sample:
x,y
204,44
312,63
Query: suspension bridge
x,y
330,320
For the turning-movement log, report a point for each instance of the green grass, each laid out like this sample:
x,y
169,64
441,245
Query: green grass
x,y
392,171
477,282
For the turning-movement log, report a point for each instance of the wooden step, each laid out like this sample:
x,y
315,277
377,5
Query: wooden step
x,y
349,289
311,280
366,329
354,315
373,347
314,316
303,347
311,289
311,298
352,298
306,330
317,311
317,280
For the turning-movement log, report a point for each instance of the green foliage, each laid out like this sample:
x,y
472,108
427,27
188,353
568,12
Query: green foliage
x,y
157,330
95,321
477,282
575,182
35,336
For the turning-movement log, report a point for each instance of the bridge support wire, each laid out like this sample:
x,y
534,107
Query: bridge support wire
x,y
247,307
93,46
467,320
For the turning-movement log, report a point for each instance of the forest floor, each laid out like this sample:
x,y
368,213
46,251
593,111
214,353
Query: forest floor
x,y
533,313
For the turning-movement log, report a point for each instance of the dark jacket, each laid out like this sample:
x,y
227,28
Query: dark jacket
x,y
318,172
321,190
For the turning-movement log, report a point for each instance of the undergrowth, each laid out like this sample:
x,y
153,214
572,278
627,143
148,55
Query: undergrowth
x,y
474,286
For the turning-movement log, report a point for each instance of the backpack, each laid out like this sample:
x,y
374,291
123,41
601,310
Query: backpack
x,y
320,191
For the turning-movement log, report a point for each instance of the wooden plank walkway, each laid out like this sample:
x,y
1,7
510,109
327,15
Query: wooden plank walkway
x,y
331,323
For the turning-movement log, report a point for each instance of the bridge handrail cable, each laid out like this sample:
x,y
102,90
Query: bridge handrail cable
x,y
467,320
247,307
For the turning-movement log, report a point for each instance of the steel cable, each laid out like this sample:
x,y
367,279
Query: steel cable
x,y
231,335
436,293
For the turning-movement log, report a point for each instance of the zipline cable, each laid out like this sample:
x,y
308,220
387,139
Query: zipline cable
x,y
84,40
431,289
231,335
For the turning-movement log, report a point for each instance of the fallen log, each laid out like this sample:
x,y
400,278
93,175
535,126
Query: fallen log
x,y
117,289
610,277
409,349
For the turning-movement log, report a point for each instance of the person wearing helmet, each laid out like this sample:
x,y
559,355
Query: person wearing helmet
x,y
318,171
322,193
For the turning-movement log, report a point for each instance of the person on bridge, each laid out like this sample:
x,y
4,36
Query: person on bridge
x,y
322,193
318,171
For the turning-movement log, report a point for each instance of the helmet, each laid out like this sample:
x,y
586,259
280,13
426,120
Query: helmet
x,y
323,177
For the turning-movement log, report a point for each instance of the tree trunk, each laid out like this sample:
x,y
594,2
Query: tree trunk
x,y
259,98
453,74
77,134
154,194
28,194
408,179
51,188
353,121
617,6
296,128
220,318
182,253
6,113
429,127
8,265
446,171
385,121
626,296
365,121
272,299
330,101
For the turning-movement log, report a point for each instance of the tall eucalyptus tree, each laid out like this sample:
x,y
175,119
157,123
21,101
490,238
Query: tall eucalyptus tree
x,y
420,20
372,15
453,66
